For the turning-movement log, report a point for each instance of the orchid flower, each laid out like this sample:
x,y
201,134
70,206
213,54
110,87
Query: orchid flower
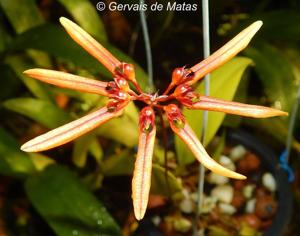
x,y
180,92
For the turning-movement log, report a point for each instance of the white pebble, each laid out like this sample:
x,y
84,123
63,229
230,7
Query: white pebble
x,y
209,203
226,208
156,220
194,196
237,153
223,193
227,162
185,193
214,178
187,206
248,191
201,232
269,182
250,206
182,225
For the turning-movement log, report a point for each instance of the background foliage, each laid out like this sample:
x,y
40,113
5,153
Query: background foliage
x,y
69,188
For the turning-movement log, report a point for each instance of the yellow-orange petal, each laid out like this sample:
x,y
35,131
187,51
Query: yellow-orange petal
x,y
141,180
90,44
188,136
235,108
66,80
70,131
225,53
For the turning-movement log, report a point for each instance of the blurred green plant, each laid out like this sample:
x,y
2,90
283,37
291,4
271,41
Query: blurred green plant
x,y
29,39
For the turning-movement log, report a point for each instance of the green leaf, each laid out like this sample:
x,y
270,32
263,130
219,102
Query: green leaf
x,y
67,206
275,127
86,15
96,150
44,112
223,84
123,164
219,148
276,74
40,161
81,149
241,96
5,37
123,129
278,25
22,14
160,186
19,64
11,82
119,164
13,162
55,41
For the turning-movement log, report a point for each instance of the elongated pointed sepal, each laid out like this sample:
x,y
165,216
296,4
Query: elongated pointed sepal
x,y
225,53
187,135
72,130
66,80
141,180
235,108
90,44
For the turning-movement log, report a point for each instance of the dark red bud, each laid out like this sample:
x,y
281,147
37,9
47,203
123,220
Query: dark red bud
x,y
182,89
127,71
114,91
147,119
121,83
179,75
112,106
111,86
121,95
175,115
186,95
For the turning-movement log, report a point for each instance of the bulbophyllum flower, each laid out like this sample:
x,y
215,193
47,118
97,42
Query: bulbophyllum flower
x,y
180,92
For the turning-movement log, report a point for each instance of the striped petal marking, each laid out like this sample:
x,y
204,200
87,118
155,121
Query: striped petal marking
x,y
187,135
141,180
90,44
225,53
72,130
185,94
66,80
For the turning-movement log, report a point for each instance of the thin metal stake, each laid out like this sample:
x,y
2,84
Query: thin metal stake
x,y
206,49
292,123
147,46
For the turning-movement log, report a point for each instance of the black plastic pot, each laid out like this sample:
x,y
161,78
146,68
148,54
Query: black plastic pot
x,y
270,162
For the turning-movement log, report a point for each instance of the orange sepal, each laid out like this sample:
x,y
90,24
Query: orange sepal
x,y
187,135
235,108
66,80
225,53
141,180
74,129
90,45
